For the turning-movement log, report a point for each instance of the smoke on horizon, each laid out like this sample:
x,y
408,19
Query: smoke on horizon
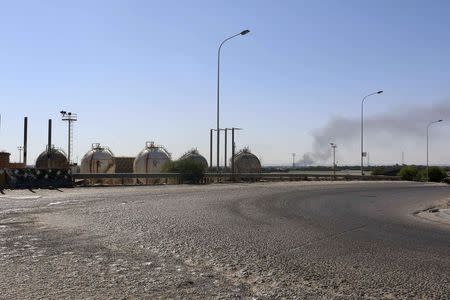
x,y
407,125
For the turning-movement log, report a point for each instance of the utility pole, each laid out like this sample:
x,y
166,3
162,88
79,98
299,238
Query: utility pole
x,y
293,160
403,158
334,146
363,154
244,32
69,117
233,148
211,144
428,129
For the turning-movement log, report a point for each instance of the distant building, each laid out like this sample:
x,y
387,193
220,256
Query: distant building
x,y
6,164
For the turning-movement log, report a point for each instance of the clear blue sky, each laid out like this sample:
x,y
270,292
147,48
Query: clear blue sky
x,y
146,70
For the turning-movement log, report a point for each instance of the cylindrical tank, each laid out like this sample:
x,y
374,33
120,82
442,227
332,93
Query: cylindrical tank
x,y
194,156
246,162
151,159
98,160
52,159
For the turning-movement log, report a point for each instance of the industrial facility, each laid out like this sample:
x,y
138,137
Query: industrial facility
x,y
54,164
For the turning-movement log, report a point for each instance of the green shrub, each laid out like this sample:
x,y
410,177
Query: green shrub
x,y
436,174
378,171
191,172
408,173
386,170
421,175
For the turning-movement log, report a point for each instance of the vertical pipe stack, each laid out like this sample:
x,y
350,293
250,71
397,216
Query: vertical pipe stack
x,y
225,153
210,147
49,135
25,139
232,150
49,146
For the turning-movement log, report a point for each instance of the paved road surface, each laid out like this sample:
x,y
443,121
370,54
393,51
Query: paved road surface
x,y
262,241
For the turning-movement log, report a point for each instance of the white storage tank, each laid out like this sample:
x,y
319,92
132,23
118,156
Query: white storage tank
x,y
196,157
151,159
98,160
246,162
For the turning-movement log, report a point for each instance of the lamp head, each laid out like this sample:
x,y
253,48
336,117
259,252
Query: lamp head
x,y
379,92
245,32
440,120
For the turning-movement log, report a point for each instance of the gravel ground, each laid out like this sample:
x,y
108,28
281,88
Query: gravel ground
x,y
304,240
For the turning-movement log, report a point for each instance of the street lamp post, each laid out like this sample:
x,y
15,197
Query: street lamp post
x,y
233,148
428,127
362,129
293,160
334,146
210,147
211,144
218,92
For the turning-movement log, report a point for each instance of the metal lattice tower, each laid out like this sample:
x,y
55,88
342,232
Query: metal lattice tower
x,y
69,117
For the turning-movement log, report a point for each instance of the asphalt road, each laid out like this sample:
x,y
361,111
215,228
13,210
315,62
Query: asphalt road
x,y
263,241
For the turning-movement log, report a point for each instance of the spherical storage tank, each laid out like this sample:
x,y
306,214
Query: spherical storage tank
x,y
98,160
246,162
52,159
196,157
151,159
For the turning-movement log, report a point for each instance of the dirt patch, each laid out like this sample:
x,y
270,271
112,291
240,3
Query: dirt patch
x,y
439,213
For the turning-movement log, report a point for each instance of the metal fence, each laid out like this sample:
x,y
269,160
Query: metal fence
x,y
33,178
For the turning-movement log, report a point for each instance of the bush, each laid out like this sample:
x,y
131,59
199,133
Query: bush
x,y
386,170
436,174
191,172
408,173
378,171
